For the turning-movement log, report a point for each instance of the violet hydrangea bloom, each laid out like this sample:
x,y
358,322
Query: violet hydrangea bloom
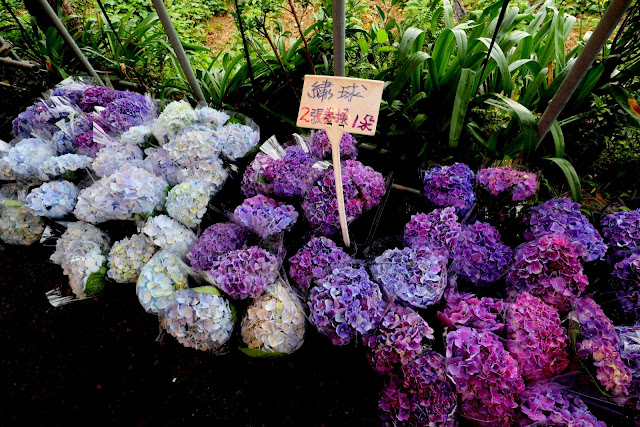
x,y
53,199
321,147
397,340
563,216
622,229
597,344
37,120
199,319
315,260
630,349
215,241
471,311
450,186
438,230
130,109
98,96
626,282
157,160
244,273
487,377
86,145
479,254
536,338
496,180
549,268
265,216
416,276
345,303
549,404
253,179
292,175
422,396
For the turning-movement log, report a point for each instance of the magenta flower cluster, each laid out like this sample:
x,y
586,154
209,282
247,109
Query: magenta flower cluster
x,y
450,186
487,377
215,241
265,216
345,303
597,344
479,255
416,276
98,96
397,340
438,230
86,145
549,268
244,272
563,216
622,229
497,180
315,260
467,310
321,147
422,396
536,338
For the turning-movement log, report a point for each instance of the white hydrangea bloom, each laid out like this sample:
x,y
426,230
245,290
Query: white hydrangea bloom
x,y
159,279
187,202
169,234
128,256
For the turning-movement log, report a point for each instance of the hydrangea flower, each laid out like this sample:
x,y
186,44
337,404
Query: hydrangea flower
x,y
128,191
626,280
345,303
56,166
159,280
130,109
622,229
315,260
630,349
397,340
210,171
97,96
158,161
193,143
438,230
86,145
236,140
38,120
549,404
423,395
175,116
446,186
28,156
199,319
563,216
63,143
487,377
6,173
597,344
536,338
292,175
216,241
211,117
549,268
128,256
187,202
253,180
113,157
416,276
53,199
363,189
83,261
265,216
497,180
18,225
479,254
275,321
136,135
321,147
470,311
169,234
72,92
82,231
244,272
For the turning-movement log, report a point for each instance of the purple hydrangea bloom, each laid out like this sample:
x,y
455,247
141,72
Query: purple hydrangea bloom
x,y
423,395
97,96
159,162
316,259
397,340
363,189
292,175
479,254
630,349
536,338
215,241
597,344
549,268
86,145
521,184
549,404
321,147
39,117
563,216
71,92
622,229
254,181
438,230
244,272
450,186
471,311
487,377
130,109
416,276
265,216
345,303
626,282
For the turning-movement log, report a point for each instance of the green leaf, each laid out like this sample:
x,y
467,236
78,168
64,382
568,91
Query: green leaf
x,y
95,282
461,102
382,36
558,139
571,176
252,352
412,41
622,97
207,290
364,46
408,67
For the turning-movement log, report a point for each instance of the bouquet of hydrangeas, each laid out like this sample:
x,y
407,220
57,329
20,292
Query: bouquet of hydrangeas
x,y
169,234
438,230
211,117
210,171
471,311
397,340
630,352
265,216
522,185
236,140
191,144
158,161
199,318
321,147
97,96
446,186
315,260
159,280
562,216
128,256
253,180
175,116
39,120
187,202
18,224
66,164
622,229
54,199
27,158
344,303
274,322
416,276
128,110
114,156
136,135
216,241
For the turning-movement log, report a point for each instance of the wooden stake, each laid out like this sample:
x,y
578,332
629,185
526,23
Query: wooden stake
x,y
335,136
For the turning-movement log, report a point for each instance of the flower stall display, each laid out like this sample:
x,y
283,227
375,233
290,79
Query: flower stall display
x,y
315,260
450,186
521,185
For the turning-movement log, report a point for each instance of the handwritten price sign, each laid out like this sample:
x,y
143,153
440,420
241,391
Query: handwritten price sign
x,y
338,105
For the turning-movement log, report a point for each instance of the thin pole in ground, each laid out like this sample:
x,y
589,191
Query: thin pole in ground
x,y
338,37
